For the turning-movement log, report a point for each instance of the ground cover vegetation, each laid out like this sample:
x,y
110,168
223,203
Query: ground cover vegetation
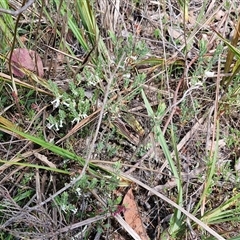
x,y
119,119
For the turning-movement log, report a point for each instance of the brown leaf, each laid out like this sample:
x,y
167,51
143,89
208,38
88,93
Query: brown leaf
x,y
132,216
29,59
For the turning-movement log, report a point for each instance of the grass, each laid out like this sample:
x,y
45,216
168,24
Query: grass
x,y
134,95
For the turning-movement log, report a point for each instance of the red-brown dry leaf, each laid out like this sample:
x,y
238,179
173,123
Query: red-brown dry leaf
x,y
132,216
29,59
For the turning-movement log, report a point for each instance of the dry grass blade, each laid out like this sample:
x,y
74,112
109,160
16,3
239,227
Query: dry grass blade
x,y
7,78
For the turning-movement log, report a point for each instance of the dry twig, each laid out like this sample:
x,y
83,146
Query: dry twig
x,y
19,11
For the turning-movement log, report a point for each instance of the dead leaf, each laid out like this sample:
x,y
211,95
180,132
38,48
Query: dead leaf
x,y
29,59
132,216
192,18
176,34
211,146
44,160
219,15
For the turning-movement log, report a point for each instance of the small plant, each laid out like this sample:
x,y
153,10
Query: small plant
x,y
64,202
157,33
72,107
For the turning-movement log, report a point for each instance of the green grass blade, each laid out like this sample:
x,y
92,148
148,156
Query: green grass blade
x,y
221,214
176,219
58,150
233,51
231,47
6,25
211,170
93,169
162,140
90,25
24,164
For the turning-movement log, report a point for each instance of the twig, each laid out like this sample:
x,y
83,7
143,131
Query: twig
x,y
19,11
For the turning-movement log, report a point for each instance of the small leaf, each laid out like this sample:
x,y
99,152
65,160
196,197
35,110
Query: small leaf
x,y
28,59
